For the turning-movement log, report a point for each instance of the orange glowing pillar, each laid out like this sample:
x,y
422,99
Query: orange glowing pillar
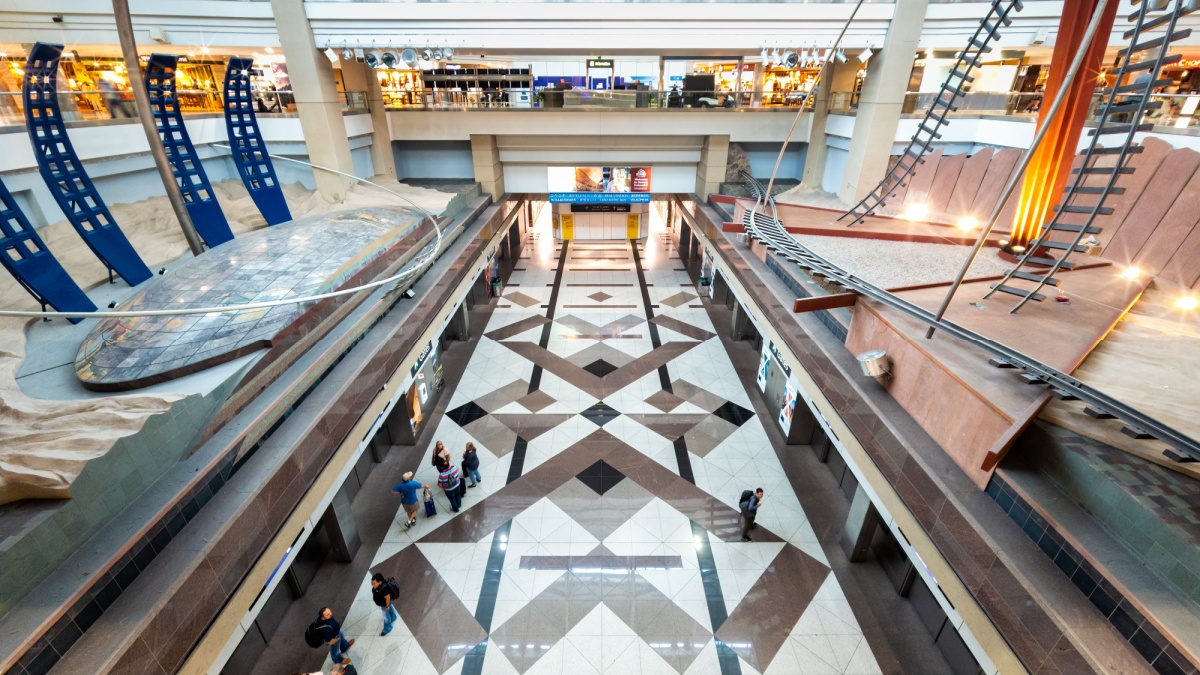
x,y
1050,165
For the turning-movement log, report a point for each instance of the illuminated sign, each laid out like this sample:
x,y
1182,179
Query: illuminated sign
x,y
599,198
600,63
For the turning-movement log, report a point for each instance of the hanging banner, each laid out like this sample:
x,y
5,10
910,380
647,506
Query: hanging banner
x,y
609,179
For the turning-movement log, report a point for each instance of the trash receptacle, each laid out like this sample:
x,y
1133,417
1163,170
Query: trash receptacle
x,y
496,286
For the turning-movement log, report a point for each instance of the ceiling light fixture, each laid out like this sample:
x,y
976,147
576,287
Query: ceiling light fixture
x,y
840,56
968,223
409,56
865,55
1130,273
1187,303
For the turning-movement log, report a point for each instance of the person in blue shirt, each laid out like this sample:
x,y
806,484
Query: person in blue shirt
x,y
750,512
408,489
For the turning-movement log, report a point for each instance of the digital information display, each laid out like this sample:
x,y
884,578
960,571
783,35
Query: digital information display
x,y
599,198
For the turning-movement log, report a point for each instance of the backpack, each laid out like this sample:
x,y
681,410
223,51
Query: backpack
x,y
312,635
746,495
393,588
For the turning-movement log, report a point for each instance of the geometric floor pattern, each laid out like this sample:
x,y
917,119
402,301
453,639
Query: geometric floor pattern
x,y
614,444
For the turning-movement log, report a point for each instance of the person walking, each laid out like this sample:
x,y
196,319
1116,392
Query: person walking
x,y
749,506
331,633
450,482
408,488
384,592
343,670
470,465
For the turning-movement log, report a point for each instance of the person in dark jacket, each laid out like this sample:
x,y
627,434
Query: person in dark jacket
x,y
470,465
331,632
750,512
440,455
381,593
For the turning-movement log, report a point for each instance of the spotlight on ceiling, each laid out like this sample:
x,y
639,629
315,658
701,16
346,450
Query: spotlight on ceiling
x,y
1130,273
347,54
789,59
331,55
409,56
438,54
374,59
1187,303
968,223
840,56
866,54
390,59
448,53
426,54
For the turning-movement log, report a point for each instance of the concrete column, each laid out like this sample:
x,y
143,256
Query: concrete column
x,y
341,527
317,101
488,170
711,169
860,526
358,77
837,77
888,73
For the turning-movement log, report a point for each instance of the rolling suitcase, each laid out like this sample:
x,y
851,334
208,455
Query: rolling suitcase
x,y
430,507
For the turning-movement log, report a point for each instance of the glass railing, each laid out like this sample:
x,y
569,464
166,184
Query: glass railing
x,y
94,105
593,99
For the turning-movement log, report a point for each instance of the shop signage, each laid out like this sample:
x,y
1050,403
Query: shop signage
x,y
421,359
600,63
640,178
779,358
599,198
600,208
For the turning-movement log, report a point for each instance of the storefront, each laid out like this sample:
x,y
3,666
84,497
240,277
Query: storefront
x,y
600,203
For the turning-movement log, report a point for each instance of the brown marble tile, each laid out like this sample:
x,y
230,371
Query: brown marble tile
x,y
493,434
504,395
529,426
766,615
137,660
535,401
600,350
669,427
683,328
601,387
664,400
517,327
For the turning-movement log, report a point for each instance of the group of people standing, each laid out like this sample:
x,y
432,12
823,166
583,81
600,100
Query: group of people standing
x,y
450,479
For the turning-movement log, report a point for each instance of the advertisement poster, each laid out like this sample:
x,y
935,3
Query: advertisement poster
x,y
788,408
632,226
764,370
622,180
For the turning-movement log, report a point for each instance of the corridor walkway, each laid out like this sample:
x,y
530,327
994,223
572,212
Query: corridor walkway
x,y
615,439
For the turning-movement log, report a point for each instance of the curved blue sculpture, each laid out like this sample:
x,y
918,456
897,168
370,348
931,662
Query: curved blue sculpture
x,y
246,143
189,173
26,257
63,172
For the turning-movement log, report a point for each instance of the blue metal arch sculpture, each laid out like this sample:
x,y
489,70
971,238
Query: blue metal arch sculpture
x,y
246,143
64,173
26,257
189,173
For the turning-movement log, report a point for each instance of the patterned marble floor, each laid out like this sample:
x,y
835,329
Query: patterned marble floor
x,y
615,440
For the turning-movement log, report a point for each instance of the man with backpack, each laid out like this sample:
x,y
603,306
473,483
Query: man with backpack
x,y
384,592
749,503
327,630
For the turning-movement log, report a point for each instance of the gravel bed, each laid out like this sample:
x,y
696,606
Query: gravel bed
x,y
897,264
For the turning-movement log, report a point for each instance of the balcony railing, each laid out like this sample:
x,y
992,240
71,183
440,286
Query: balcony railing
x,y
93,105
594,99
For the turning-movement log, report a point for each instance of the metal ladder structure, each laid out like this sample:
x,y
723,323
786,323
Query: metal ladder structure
x,y
1120,117
946,102
768,230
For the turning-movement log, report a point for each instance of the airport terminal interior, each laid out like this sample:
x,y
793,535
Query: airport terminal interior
x,y
580,338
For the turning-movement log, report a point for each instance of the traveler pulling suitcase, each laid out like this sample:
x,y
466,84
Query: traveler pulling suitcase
x,y
430,507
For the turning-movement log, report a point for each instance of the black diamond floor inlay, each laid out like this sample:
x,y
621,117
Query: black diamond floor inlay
x,y
601,413
733,413
466,413
600,367
600,476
